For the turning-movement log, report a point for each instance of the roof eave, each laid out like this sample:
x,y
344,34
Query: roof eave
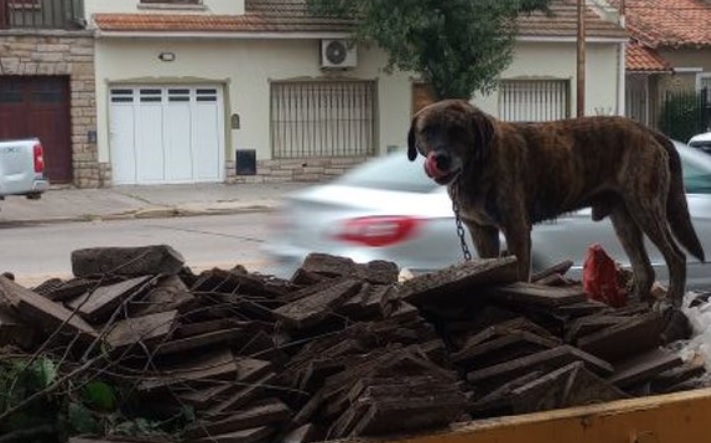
x,y
570,39
246,35
648,71
301,35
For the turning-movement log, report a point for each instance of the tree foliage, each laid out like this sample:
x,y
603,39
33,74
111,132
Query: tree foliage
x,y
457,46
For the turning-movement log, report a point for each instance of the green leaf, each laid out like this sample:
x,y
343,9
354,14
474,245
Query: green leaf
x,y
100,395
46,372
81,419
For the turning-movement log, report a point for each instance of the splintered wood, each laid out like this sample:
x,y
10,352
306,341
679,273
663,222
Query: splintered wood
x,y
342,349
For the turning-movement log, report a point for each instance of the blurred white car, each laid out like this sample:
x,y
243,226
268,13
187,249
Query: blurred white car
x,y
388,209
701,142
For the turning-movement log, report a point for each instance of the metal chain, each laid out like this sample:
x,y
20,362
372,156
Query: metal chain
x,y
460,228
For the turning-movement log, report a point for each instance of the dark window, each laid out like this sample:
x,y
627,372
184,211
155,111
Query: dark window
x,y
179,95
122,95
47,92
10,92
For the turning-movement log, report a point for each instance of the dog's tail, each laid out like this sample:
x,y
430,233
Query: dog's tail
x,y
677,207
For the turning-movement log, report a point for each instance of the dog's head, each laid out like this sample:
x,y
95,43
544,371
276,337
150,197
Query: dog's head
x,y
449,134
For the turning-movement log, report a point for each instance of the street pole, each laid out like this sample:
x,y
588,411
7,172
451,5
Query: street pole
x,y
580,93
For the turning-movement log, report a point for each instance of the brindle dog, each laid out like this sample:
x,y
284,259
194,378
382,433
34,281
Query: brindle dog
x,y
509,176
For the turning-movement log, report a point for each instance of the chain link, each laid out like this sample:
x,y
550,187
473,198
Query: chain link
x,y
460,226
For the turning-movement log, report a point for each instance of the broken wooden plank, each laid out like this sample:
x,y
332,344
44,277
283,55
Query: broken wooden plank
x,y
537,294
309,310
558,268
185,330
371,302
636,335
307,433
14,331
44,313
243,396
59,290
267,412
498,401
508,346
127,261
247,371
98,305
147,331
584,308
507,327
583,326
195,342
203,397
378,272
238,282
384,416
643,367
571,385
255,435
329,265
553,358
665,381
452,281
169,293
218,365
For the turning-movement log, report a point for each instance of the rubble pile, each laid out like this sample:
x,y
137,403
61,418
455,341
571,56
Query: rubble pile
x,y
341,349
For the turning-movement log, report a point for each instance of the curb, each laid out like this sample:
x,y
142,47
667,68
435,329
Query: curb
x,y
144,214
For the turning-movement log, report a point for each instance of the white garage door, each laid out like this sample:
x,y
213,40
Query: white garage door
x,y
167,134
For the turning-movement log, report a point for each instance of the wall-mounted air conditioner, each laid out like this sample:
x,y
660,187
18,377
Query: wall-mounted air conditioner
x,y
338,54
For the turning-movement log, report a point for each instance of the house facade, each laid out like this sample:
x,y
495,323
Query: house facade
x,y
47,86
670,59
189,91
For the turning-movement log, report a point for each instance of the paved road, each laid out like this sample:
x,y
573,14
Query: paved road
x,y
35,252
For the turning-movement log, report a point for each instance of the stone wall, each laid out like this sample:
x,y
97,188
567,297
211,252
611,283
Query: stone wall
x,y
65,53
295,170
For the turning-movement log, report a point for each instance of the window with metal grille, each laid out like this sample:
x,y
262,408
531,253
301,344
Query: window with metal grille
x,y
703,85
534,100
323,119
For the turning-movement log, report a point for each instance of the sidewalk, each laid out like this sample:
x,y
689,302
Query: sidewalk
x,y
125,202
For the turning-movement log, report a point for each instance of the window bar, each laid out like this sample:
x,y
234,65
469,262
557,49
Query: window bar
x,y
275,120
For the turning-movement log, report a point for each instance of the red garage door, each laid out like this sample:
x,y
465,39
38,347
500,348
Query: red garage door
x,y
39,107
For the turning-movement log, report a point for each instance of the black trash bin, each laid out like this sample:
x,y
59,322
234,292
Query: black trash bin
x,y
246,162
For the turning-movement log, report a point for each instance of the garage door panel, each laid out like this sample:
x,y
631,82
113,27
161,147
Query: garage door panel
x,y
207,139
150,157
177,130
171,134
123,144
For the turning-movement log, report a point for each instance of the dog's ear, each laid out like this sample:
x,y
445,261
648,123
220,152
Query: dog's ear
x,y
483,130
411,148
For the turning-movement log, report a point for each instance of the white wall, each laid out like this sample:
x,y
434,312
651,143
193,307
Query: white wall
x,y
558,61
245,68
132,6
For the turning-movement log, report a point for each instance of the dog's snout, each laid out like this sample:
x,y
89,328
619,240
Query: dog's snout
x,y
442,160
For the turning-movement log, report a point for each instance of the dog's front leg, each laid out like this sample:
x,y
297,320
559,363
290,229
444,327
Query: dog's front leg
x,y
518,242
485,239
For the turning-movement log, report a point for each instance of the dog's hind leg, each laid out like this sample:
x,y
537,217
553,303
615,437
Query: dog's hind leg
x,y
632,240
651,218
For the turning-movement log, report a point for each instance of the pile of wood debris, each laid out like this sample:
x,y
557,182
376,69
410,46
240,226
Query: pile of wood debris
x,y
341,349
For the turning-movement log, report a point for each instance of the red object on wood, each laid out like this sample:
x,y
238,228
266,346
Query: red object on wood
x,y
600,278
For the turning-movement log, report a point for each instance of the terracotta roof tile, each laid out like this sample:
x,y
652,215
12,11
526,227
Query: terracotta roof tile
x,y
293,16
669,22
642,59
564,23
